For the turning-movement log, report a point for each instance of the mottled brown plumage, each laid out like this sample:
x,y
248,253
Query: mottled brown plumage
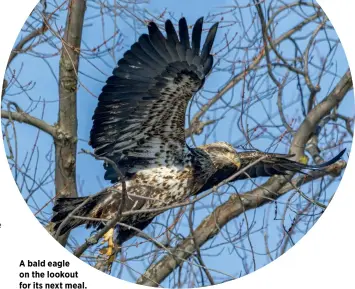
x,y
139,124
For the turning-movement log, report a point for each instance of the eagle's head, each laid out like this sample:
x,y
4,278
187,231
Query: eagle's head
x,y
223,156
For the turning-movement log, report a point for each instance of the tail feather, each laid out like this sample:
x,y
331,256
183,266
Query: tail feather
x,y
64,206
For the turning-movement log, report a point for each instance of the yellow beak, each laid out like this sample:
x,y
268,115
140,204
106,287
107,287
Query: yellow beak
x,y
236,163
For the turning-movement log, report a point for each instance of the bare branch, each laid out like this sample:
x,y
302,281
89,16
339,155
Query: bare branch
x,y
318,112
23,117
240,76
212,225
20,45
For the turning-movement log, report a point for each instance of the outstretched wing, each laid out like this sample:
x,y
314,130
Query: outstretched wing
x,y
276,164
140,117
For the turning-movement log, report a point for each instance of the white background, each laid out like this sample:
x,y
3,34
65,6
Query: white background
x,y
324,258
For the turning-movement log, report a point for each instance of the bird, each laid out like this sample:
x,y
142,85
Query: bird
x,y
139,129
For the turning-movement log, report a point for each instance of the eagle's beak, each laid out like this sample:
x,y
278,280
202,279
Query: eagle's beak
x,y
237,163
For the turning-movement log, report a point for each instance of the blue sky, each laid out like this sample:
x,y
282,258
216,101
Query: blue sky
x,y
90,172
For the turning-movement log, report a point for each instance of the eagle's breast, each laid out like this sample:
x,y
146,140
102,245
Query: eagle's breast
x,y
155,187
170,184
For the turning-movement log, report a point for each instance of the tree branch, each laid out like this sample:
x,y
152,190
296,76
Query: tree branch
x,y
19,46
254,65
309,125
224,213
28,119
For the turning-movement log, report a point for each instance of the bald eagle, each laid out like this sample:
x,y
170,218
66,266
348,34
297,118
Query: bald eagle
x,y
139,125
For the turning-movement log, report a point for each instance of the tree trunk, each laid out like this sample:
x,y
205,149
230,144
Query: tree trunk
x,y
66,140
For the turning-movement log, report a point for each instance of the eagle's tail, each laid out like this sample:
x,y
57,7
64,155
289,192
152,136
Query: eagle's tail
x,y
81,206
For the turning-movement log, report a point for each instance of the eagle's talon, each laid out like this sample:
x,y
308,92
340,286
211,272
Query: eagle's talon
x,y
110,251
108,238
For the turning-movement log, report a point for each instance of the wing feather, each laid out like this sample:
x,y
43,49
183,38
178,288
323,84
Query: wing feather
x,y
206,50
196,36
148,48
140,117
184,34
158,41
276,164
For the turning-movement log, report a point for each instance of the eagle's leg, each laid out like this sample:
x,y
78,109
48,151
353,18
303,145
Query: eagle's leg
x,y
108,238
109,253
114,247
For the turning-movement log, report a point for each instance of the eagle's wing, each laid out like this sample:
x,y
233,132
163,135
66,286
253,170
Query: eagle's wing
x,y
276,164
140,116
